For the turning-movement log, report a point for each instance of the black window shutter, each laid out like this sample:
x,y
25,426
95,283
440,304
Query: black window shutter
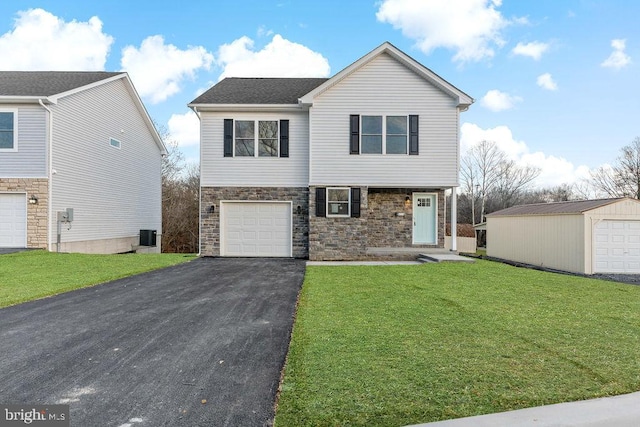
x,y
321,202
413,135
355,202
354,144
228,137
284,138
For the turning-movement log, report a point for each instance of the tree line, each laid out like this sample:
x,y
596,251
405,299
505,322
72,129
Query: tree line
x,y
490,181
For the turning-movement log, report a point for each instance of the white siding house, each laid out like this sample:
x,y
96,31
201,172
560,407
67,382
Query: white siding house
x,y
357,168
84,142
588,237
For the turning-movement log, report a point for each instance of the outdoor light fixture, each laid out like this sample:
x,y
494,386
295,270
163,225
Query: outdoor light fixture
x,y
33,200
212,208
299,209
407,202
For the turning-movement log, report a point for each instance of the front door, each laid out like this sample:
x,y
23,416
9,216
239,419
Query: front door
x,y
424,219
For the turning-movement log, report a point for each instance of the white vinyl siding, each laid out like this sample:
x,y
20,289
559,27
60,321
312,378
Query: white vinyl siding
x,y
384,87
29,158
114,192
220,171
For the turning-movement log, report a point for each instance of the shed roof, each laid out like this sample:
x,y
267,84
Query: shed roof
x,y
47,83
556,208
242,90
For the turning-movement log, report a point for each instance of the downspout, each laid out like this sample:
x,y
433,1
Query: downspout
x,y
49,174
195,110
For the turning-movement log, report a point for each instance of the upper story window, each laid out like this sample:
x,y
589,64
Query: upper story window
x,y
256,138
115,143
8,130
384,134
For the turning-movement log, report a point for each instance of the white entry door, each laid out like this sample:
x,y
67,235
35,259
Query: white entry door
x,y
255,229
617,247
13,220
425,219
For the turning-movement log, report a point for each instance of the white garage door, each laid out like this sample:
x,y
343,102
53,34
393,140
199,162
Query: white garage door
x,y
255,229
13,220
617,247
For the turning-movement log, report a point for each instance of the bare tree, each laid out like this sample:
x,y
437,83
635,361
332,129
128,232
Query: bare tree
x,y
180,199
622,179
512,181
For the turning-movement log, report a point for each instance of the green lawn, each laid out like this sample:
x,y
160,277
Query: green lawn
x,y
36,274
397,345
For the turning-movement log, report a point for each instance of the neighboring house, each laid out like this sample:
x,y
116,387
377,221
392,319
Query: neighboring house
x,y
588,236
350,167
81,141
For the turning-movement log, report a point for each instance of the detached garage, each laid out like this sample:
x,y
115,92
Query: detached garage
x,y
588,236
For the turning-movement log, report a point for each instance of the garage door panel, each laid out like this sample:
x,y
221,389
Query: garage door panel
x,y
617,247
256,229
13,220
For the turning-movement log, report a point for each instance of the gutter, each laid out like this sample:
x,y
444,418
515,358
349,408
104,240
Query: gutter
x,y
49,173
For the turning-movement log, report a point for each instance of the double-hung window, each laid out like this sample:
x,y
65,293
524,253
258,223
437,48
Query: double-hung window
x,y
338,201
8,130
256,138
384,134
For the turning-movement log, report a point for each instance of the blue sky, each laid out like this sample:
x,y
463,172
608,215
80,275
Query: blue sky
x,y
556,83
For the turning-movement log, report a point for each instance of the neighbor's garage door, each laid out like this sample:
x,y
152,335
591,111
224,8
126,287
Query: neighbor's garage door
x,y
617,247
13,220
256,229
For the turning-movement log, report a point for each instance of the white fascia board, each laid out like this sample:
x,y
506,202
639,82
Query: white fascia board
x,y
26,100
198,108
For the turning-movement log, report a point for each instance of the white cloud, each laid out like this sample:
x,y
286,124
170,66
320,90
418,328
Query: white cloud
x,y
470,27
495,100
279,58
40,40
264,31
185,129
157,69
618,58
554,170
545,81
533,50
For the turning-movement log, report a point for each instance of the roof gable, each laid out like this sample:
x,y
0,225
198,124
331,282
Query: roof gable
x,y
258,91
557,208
463,100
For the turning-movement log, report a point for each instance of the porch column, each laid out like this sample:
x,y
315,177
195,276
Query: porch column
x,y
454,219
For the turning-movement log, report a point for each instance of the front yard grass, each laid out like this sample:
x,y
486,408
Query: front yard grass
x,y
31,275
398,345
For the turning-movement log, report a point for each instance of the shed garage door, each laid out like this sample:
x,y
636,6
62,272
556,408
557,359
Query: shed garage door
x,y
13,220
617,247
255,229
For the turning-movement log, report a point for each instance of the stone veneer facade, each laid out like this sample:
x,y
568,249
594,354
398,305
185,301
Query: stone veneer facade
x,y
210,221
378,227
37,221
321,238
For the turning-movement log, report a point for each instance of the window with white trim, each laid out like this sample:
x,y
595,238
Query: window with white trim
x,y
8,130
115,143
246,139
338,201
384,135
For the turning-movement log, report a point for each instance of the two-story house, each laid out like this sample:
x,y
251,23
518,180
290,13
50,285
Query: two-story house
x,y
351,167
80,163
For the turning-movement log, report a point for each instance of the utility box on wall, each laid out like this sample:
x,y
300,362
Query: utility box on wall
x,y
148,237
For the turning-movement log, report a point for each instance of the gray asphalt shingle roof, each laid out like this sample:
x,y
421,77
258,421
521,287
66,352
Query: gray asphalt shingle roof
x,y
237,90
47,83
572,207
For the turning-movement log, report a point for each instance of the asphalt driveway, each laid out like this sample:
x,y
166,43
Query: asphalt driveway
x,y
198,344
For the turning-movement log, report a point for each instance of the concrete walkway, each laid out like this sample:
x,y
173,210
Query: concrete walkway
x,y
617,411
